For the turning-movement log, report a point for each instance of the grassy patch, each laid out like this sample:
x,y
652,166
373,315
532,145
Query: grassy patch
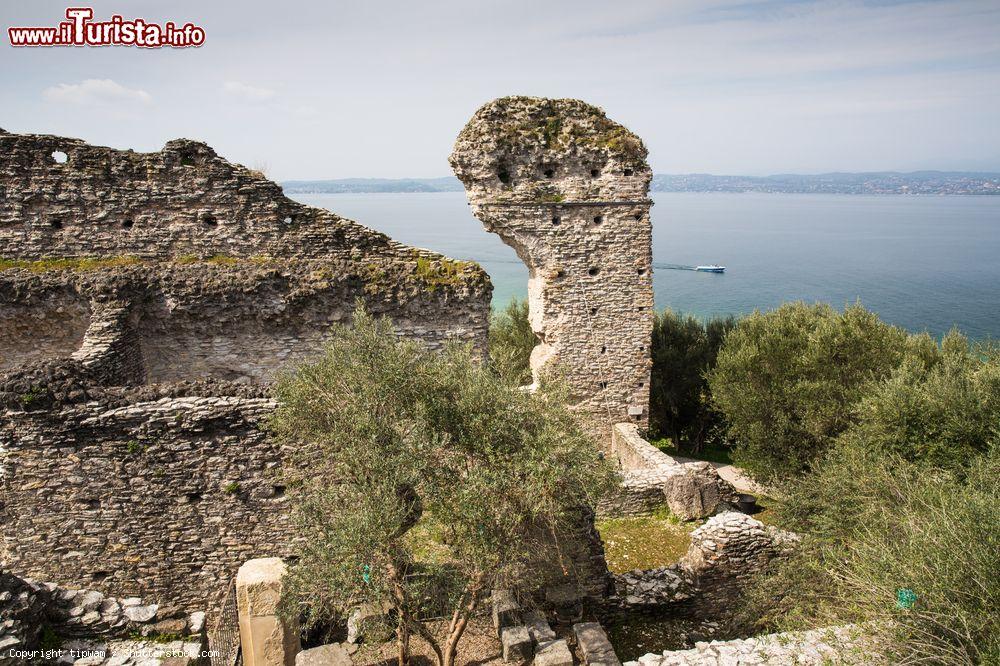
x,y
716,454
643,543
428,539
767,512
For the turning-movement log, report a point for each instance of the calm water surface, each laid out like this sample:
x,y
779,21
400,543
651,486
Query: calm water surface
x,y
925,263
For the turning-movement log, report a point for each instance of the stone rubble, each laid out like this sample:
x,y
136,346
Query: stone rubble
x,y
837,645
27,606
594,646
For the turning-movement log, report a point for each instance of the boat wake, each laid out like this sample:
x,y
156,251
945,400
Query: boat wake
x,y
706,268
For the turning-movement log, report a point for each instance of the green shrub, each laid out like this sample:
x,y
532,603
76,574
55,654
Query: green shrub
x,y
940,407
684,349
878,529
431,481
511,342
787,381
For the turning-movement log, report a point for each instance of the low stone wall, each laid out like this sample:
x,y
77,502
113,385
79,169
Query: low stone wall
x,y
651,479
724,553
635,453
836,645
27,607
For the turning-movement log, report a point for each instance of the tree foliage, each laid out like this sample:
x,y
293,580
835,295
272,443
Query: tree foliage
x,y
787,381
511,342
684,350
941,406
904,500
879,527
429,481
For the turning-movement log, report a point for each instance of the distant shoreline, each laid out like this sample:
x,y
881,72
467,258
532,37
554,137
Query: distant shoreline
x,y
917,183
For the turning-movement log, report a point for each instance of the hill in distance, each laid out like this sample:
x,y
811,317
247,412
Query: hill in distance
x,y
883,182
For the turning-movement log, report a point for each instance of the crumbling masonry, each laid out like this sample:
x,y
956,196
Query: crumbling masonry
x,y
567,188
146,300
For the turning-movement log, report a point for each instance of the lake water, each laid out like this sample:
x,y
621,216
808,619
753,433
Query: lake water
x,y
925,263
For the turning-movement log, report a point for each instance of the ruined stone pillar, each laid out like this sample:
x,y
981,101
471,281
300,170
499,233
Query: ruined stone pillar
x,y
266,638
567,188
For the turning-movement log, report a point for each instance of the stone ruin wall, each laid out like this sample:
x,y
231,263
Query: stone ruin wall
x,y
225,276
157,492
145,301
567,188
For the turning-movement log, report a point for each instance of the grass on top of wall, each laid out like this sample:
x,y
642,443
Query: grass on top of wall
x,y
72,264
97,263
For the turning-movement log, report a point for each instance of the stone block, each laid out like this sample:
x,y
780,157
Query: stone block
x,y
141,613
505,610
258,586
594,644
553,653
266,638
333,654
516,642
538,627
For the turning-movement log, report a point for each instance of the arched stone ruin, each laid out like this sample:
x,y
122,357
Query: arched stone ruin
x,y
567,188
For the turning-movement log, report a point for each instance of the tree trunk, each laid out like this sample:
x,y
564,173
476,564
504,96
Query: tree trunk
x,y
459,622
402,639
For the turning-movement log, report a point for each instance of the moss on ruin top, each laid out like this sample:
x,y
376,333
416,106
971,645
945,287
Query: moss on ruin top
x,y
520,124
83,264
75,264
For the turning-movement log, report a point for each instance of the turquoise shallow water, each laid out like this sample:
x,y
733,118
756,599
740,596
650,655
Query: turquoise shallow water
x,y
925,263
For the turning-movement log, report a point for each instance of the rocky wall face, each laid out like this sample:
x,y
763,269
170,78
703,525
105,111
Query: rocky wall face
x,y
567,188
143,493
223,275
46,327
183,200
125,276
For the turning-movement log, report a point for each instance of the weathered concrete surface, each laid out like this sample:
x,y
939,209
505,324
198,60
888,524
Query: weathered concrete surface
x,y
266,638
567,188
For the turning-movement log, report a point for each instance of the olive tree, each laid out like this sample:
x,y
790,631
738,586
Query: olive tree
x,y
511,341
425,480
684,350
787,381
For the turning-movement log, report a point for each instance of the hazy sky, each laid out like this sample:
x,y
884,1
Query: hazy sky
x,y
334,89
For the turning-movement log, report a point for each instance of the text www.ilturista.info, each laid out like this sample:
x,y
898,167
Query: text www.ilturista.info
x,y
80,30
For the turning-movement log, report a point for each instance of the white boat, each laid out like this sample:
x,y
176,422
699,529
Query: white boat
x,y
711,268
